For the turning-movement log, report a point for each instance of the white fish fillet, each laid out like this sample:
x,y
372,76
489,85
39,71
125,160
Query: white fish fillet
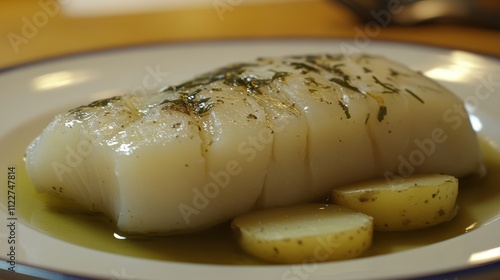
x,y
272,132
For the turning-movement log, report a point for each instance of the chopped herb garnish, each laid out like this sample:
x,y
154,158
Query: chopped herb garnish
x,y
414,95
310,80
336,70
334,57
395,73
203,108
251,117
367,70
345,108
390,88
251,84
231,76
367,118
176,105
188,103
226,74
326,67
103,102
304,67
95,104
382,111
279,76
345,83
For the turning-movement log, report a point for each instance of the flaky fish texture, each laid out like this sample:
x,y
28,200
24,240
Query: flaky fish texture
x,y
270,132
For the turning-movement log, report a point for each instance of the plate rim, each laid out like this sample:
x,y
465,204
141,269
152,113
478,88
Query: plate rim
x,y
164,43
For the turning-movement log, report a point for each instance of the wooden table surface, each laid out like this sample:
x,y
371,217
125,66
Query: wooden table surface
x,y
34,30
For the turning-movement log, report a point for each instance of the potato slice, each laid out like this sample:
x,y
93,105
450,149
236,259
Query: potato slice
x,y
413,202
304,233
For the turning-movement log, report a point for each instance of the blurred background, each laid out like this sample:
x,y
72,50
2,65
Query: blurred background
x,y
34,30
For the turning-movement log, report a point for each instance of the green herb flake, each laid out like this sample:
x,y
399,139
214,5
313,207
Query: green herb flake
x,y
251,117
345,108
310,81
176,105
345,83
382,111
336,70
389,88
304,67
415,95
279,76
188,103
202,109
95,104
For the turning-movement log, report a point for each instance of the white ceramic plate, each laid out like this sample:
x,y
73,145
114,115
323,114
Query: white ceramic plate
x,y
31,94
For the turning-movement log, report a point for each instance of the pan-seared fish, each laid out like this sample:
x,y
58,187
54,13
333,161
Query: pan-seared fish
x,y
272,132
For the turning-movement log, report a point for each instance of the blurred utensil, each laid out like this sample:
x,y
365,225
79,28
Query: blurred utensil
x,y
485,13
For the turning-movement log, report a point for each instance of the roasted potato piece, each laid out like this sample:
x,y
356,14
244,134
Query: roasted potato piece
x,y
304,233
413,202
